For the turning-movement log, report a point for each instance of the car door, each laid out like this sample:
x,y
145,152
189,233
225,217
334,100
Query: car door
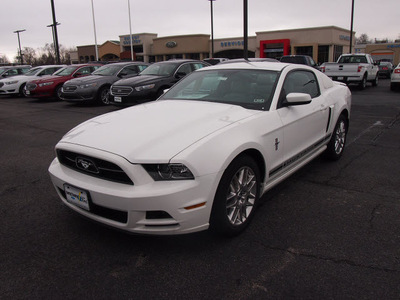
x,y
304,126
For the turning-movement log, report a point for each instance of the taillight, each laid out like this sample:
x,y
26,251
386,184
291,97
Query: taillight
x,y
323,69
359,69
384,68
397,71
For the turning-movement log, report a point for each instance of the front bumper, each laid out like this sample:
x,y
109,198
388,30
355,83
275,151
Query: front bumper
x,y
148,206
79,95
9,89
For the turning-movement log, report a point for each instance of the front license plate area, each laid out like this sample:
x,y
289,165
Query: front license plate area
x,y
117,99
77,196
340,78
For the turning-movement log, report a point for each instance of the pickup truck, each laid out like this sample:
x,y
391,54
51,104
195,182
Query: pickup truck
x,y
353,68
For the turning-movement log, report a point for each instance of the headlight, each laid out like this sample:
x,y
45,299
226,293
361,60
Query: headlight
x,y
11,82
45,83
160,172
145,87
85,86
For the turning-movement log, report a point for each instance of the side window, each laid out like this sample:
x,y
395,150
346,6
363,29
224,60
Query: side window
x,y
129,70
142,67
186,68
85,70
300,82
48,71
197,66
11,72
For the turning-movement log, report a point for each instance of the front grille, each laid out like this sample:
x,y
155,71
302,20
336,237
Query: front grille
x,y
121,90
69,88
31,86
93,166
1,84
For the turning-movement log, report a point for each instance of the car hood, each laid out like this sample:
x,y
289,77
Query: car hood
x,y
140,80
157,131
17,77
91,79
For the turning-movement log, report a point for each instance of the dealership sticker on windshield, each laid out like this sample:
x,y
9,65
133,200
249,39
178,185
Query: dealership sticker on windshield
x,y
117,99
77,196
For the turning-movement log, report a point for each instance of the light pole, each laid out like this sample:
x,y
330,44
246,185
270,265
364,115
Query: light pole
x,y
245,44
55,35
95,37
212,28
130,28
351,25
19,45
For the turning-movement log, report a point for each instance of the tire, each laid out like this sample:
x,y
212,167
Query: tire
x,y
103,96
376,80
57,92
22,91
337,142
236,197
363,83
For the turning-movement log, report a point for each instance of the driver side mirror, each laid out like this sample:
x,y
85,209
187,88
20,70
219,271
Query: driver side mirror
x,y
294,99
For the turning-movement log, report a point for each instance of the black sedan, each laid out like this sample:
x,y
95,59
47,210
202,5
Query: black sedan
x,y
96,87
151,83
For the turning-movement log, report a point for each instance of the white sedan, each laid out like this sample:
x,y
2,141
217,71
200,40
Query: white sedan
x,y
395,78
203,154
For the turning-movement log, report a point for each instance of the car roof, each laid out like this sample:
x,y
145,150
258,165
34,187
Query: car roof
x,y
124,63
262,65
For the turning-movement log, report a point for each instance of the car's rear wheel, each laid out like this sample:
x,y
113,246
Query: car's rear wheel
x,y
103,96
337,142
363,83
236,198
376,80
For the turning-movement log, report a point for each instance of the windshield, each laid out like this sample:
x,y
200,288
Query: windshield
x,y
356,59
164,69
107,70
65,71
33,71
252,89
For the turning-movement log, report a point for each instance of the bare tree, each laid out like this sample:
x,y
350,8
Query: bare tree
x,y
363,39
29,56
3,59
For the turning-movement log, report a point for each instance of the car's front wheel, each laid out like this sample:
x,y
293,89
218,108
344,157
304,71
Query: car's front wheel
x,y
236,197
336,144
104,95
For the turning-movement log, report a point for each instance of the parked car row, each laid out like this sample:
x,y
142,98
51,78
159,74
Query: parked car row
x,y
127,83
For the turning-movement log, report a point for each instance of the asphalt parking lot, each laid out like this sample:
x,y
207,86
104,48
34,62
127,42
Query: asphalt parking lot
x,y
330,231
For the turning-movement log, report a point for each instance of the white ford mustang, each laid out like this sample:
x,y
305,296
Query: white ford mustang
x,y
203,154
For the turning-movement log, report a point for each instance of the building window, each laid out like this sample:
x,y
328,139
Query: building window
x,y
307,50
337,51
323,54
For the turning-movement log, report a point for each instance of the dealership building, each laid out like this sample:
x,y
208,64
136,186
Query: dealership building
x,y
323,44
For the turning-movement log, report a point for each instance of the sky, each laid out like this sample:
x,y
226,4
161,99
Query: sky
x,y
378,19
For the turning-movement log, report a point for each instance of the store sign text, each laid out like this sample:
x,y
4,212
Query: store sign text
x,y
135,40
231,44
344,37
